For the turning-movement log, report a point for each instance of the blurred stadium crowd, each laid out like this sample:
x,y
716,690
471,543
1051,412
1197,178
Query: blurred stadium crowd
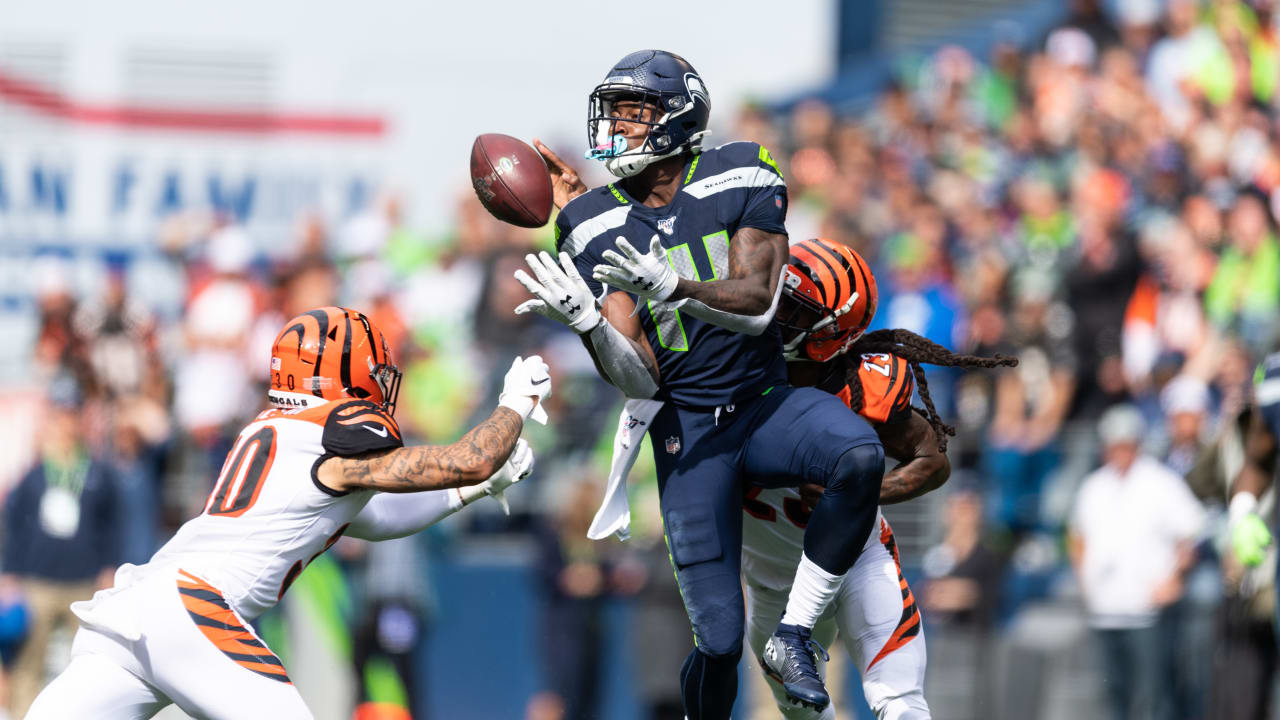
x,y
1102,202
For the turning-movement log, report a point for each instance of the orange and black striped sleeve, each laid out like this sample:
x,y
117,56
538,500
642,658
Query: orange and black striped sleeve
x,y
887,386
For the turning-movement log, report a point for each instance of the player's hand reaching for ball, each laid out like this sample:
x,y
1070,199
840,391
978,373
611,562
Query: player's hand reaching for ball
x,y
526,384
559,293
649,276
565,183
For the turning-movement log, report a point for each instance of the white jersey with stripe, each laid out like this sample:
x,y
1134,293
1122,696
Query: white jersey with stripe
x,y
267,516
773,537
773,529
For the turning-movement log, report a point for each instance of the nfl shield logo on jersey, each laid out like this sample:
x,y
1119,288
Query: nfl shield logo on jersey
x,y
667,224
673,445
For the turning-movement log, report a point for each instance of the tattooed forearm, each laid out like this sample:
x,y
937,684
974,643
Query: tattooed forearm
x,y
756,259
479,454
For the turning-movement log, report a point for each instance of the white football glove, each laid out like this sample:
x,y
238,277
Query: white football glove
x,y
526,384
649,276
517,468
559,293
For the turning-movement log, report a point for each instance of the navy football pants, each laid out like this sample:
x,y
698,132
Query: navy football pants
x,y
802,435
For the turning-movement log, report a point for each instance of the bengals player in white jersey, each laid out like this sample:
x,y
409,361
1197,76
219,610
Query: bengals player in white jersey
x,y
326,460
829,298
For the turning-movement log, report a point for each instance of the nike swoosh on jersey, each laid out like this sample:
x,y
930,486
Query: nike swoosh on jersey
x,y
380,432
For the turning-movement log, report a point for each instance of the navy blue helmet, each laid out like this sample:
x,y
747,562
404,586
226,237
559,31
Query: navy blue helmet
x,y
664,80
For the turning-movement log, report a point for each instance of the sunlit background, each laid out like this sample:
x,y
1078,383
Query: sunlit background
x,y
1092,186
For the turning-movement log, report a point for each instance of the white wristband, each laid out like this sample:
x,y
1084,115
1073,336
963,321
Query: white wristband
x,y
463,496
1242,503
520,404
456,501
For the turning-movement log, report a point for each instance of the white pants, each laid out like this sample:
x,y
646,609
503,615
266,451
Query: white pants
x,y
875,615
169,638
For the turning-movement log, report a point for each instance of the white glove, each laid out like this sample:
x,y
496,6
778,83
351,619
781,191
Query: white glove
x,y
517,468
649,276
527,382
559,293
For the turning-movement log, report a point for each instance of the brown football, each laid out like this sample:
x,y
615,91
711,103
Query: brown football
x,y
511,180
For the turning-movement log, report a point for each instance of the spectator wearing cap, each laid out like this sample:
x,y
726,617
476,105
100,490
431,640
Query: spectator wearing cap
x,y
1185,402
1186,406
1131,537
59,534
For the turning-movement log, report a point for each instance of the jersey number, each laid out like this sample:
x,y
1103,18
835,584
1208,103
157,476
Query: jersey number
x,y
299,566
869,363
241,479
670,328
793,508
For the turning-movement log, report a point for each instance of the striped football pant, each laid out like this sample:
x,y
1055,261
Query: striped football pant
x,y
194,651
878,622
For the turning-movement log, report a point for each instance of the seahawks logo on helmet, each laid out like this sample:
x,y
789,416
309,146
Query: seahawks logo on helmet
x,y
693,84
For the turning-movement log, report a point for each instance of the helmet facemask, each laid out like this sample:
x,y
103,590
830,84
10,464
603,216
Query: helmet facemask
x,y
810,328
611,147
387,377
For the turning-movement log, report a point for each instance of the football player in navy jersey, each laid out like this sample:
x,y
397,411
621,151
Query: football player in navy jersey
x,y
1250,532
690,323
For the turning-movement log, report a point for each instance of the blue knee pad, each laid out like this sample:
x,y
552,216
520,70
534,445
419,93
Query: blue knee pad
x,y
840,524
858,470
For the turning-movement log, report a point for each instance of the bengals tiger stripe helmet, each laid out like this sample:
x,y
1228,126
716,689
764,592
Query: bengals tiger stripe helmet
x,y
332,353
828,299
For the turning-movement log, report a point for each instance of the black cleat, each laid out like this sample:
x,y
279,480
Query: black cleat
x,y
788,658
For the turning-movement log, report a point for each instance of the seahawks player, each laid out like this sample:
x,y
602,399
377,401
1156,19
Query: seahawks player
x,y
690,323
1250,535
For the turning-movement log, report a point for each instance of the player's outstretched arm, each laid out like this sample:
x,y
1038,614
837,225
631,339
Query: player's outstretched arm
x,y
387,516
471,460
614,338
565,182
744,301
924,467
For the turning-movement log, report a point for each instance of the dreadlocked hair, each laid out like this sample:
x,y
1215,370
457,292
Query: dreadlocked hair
x,y
916,350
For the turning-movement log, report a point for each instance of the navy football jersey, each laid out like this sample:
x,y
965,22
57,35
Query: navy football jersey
x,y
729,187
1266,392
